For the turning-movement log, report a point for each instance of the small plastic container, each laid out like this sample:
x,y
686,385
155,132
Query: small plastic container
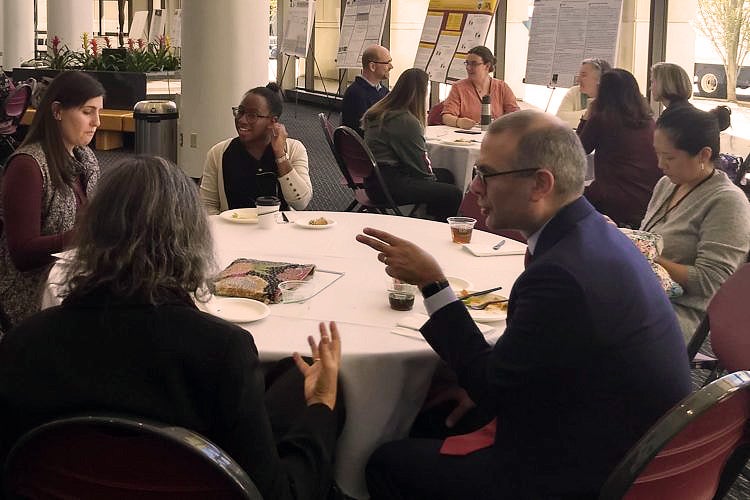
x,y
295,291
461,228
401,296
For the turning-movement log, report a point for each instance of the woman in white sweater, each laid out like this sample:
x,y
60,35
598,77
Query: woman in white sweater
x,y
577,98
261,161
703,218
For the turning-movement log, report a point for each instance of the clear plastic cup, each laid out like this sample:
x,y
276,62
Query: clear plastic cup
x,y
295,291
461,229
401,295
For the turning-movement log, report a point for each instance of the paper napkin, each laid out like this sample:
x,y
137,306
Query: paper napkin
x,y
409,326
511,247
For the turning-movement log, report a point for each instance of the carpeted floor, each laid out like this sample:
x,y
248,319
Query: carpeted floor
x,y
302,123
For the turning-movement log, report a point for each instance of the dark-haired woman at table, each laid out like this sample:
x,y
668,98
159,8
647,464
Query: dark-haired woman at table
x,y
463,106
45,185
619,128
129,339
261,161
702,217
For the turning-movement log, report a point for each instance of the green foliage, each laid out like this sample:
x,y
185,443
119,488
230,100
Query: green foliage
x,y
137,56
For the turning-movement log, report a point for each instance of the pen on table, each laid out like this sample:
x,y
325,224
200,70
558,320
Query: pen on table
x,y
283,216
499,244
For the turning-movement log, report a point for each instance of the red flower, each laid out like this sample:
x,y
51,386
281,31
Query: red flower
x,y
130,43
95,47
140,43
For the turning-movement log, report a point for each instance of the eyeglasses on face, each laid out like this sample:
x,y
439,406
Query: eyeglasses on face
x,y
382,62
471,64
483,176
250,116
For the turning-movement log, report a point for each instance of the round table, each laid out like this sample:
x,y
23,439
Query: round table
x,y
454,150
384,376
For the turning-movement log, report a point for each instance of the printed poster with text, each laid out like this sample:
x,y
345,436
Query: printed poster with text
x,y
298,24
565,32
451,29
361,27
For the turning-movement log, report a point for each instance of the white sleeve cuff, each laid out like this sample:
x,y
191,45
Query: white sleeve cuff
x,y
439,300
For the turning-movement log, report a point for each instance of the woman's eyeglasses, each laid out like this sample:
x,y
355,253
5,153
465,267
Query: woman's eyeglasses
x,y
471,64
250,116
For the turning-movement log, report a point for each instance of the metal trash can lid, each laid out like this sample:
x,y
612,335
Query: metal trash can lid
x,y
161,108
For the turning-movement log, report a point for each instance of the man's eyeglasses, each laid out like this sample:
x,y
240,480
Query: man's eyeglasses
x,y
382,62
484,176
471,64
250,116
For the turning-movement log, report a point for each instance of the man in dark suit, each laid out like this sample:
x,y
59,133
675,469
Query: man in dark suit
x,y
367,88
591,357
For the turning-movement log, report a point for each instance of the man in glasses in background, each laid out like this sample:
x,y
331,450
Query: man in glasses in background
x,y
591,356
367,88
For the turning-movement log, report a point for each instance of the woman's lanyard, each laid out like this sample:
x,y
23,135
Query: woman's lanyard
x,y
651,223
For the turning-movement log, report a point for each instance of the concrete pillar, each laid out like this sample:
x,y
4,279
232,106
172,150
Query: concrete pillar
x,y
18,32
68,20
224,53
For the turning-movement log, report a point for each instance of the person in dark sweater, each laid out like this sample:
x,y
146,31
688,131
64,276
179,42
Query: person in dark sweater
x,y
129,339
618,126
366,89
394,132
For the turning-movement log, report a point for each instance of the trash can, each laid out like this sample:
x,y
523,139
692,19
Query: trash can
x,y
156,128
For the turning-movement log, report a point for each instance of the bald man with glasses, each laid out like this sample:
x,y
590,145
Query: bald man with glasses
x,y
591,356
367,88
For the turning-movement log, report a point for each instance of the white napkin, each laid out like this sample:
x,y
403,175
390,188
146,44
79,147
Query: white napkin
x,y
511,247
409,326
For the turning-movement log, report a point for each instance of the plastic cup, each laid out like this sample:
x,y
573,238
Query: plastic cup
x,y
461,229
401,295
295,291
268,208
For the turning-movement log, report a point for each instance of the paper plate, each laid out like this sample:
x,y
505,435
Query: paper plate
x,y
235,309
457,142
241,215
305,222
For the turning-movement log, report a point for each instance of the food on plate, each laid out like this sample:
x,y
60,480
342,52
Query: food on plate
x,y
258,279
235,215
320,221
494,301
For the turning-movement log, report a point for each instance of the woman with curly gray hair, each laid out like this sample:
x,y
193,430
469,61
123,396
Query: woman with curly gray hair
x,y
128,339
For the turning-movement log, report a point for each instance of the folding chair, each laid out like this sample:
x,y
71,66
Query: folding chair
x,y
435,115
346,180
728,322
695,451
359,163
118,457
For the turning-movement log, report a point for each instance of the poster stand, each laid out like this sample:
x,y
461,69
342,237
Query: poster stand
x,y
551,85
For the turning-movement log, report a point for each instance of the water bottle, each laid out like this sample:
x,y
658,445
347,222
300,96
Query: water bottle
x,y
486,112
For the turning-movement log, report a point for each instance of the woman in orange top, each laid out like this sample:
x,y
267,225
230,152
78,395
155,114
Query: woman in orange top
x,y
463,106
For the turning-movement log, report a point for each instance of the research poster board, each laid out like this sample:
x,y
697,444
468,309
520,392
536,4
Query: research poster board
x,y
451,29
175,29
158,23
565,32
138,29
299,19
361,27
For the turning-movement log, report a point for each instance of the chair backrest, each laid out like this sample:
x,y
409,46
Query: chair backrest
x,y
684,453
327,127
115,457
469,208
730,321
354,153
435,116
17,101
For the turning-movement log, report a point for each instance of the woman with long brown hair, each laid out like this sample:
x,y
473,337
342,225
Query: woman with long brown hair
x,y
45,184
619,127
394,131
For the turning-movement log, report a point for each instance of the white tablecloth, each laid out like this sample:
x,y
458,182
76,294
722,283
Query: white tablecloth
x,y
384,376
458,157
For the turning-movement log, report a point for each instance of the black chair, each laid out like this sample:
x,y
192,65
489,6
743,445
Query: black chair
x,y
346,180
695,451
359,164
118,457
